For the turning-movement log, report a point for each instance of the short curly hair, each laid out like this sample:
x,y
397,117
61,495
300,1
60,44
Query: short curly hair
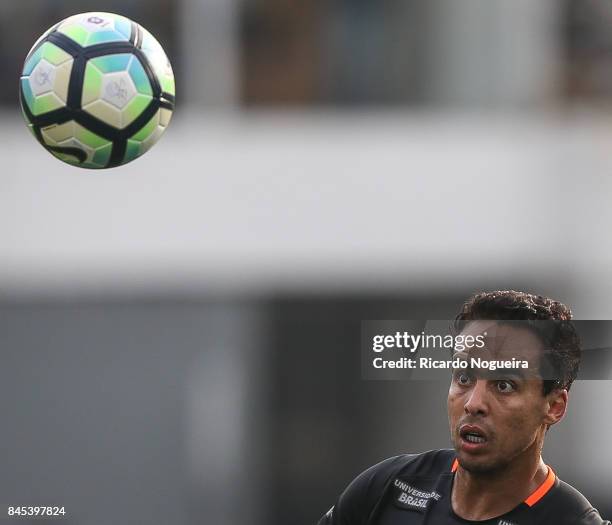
x,y
559,335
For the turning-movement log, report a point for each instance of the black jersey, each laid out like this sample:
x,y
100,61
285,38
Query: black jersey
x,y
416,490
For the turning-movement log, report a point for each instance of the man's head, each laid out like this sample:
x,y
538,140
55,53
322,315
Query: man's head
x,y
495,420
549,319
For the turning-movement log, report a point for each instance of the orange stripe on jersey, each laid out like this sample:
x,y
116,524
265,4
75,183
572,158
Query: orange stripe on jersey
x,y
539,493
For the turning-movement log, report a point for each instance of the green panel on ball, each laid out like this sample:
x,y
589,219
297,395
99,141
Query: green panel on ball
x,y
131,151
167,84
112,63
45,103
92,84
54,54
149,128
78,33
141,81
89,138
136,106
102,155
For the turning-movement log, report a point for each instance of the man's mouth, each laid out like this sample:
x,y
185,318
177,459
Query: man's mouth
x,y
472,437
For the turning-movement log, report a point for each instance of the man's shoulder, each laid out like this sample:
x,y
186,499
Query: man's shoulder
x,y
373,481
571,506
361,498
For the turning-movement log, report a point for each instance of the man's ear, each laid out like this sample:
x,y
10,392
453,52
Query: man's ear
x,y
556,405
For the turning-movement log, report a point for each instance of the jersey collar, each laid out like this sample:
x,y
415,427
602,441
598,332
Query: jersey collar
x,y
537,494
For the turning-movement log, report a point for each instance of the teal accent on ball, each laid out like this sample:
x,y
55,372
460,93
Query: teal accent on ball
x,y
33,61
112,63
141,81
103,37
27,93
123,26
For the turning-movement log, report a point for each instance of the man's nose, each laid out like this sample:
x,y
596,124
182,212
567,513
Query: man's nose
x,y
477,400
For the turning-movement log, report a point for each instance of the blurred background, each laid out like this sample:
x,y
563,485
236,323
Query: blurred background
x,y
180,336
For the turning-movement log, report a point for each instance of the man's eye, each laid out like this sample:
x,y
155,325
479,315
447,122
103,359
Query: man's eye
x,y
463,379
505,386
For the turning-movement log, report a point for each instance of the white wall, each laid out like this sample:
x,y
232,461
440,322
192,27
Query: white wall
x,y
266,201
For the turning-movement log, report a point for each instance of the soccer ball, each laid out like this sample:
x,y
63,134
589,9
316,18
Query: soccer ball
x,y
97,90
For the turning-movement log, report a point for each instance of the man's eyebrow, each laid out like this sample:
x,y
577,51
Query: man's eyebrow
x,y
506,374
514,374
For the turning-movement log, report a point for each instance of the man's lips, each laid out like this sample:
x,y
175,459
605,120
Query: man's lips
x,y
473,437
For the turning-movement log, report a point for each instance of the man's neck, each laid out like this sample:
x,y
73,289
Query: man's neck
x,y
481,496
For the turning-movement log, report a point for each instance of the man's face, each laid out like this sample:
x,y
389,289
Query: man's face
x,y
496,417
